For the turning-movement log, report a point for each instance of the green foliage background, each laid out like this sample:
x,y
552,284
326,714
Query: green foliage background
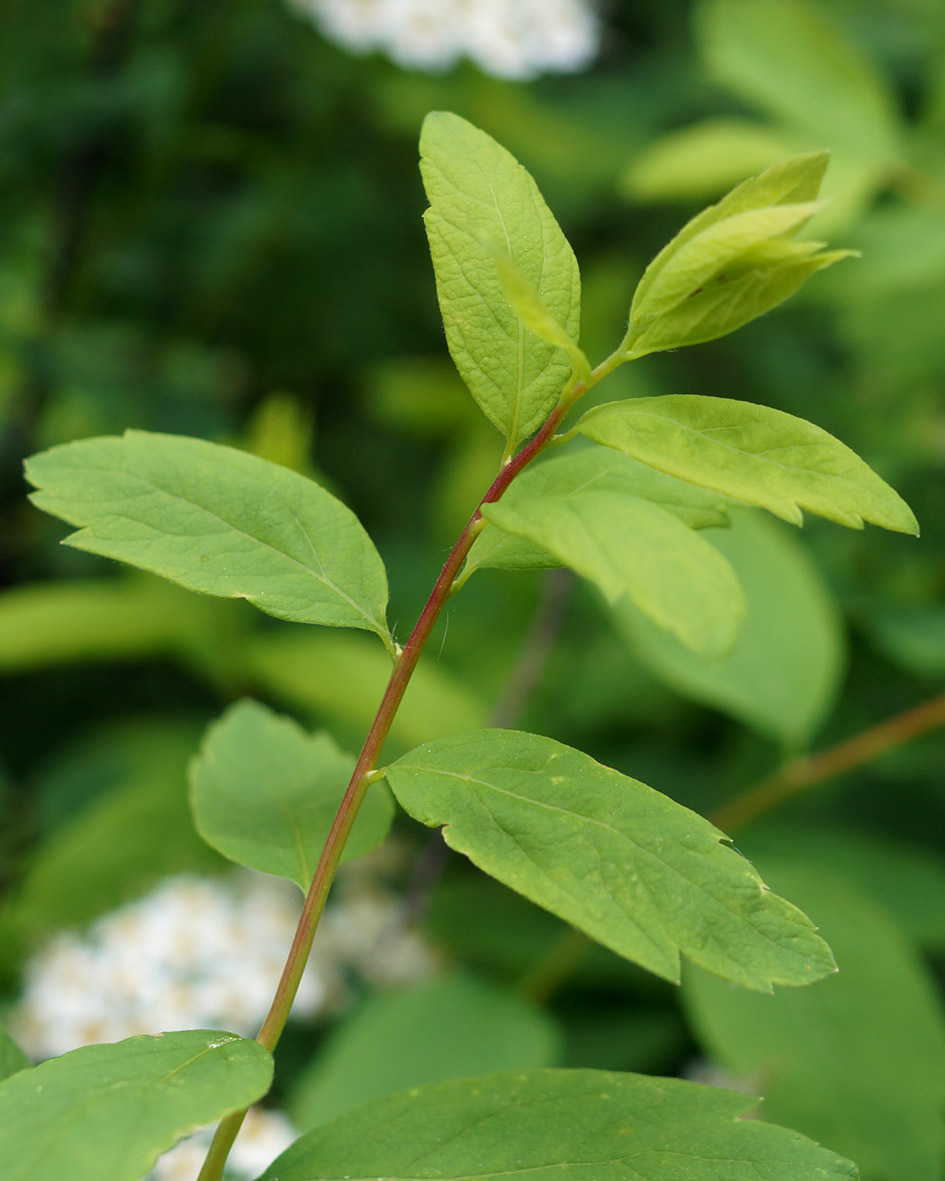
x,y
211,226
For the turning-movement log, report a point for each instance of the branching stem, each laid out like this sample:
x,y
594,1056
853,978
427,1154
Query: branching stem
x,y
801,774
364,771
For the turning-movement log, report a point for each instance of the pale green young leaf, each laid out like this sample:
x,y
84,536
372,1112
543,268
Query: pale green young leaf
x,y
218,521
753,453
793,181
591,469
557,1125
632,547
783,673
733,299
628,866
481,196
385,1044
264,793
109,1111
12,1057
875,1086
714,252
527,305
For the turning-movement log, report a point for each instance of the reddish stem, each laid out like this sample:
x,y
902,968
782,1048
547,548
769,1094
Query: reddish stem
x,y
362,777
803,773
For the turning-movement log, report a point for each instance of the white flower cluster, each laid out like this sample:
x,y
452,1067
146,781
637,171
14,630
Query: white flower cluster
x,y
516,39
207,954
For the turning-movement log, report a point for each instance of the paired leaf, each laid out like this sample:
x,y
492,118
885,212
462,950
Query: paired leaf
x,y
756,454
593,469
557,1125
628,866
783,673
264,794
218,521
626,527
793,181
857,1062
111,1110
482,199
735,297
631,547
732,262
385,1044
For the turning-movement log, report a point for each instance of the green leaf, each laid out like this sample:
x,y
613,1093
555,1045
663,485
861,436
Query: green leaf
x,y
756,454
632,547
218,521
783,672
858,1061
12,1057
625,864
733,298
799,64
480,198
590,469
264,793
527,305
385,1045
110,1111
710,254
732,262
793,181
556,1125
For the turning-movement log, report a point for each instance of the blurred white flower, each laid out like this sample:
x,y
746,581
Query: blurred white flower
x,y
515,39
207,954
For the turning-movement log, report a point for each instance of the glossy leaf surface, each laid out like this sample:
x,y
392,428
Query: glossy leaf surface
x,y
218,521
111,1110
556,1125
265,792
628,866
754,453
482,199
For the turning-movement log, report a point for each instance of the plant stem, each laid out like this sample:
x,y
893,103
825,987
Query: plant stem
x,y
521,684
801,774
362,777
